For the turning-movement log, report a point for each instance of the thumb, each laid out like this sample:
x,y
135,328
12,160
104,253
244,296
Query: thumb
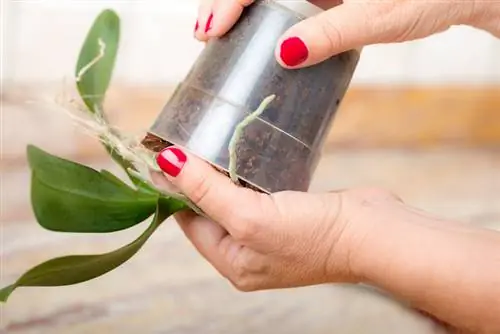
x,y
210,190
345,27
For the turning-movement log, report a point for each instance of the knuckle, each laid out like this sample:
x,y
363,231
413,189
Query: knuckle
x,y
200,189
244,272
241,277
376,20
330,30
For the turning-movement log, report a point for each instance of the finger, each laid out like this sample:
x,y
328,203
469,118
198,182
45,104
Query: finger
x,y
217,17
227,12
246,269
345,27
204,20
213,192
208,238
225,15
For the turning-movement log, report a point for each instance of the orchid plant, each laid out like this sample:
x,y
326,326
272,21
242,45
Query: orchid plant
x,y
73,198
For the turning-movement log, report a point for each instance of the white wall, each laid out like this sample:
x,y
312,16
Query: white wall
x,y
42,39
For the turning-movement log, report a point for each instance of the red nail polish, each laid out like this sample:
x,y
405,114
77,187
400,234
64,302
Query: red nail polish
x,y
171,160
293,51
208,26
196,26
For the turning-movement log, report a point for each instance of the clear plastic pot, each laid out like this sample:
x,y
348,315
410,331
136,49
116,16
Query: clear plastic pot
x,y
232,76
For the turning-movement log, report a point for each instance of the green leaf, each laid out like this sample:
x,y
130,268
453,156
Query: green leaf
x,y
80,268
113,178
97,59
94,71
69,197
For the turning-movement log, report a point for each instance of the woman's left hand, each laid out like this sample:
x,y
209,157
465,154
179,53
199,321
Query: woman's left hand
x,y
261,241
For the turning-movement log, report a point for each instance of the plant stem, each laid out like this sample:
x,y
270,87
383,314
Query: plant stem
x,y
238,132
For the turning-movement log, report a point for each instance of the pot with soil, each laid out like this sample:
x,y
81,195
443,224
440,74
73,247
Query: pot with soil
x,y
278,150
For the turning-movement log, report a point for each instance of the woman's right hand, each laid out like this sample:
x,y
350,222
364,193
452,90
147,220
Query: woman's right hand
x,y
293,239
354,24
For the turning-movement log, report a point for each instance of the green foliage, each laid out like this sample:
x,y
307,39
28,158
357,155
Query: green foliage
x,y
94,70
70,197
102,38
79,268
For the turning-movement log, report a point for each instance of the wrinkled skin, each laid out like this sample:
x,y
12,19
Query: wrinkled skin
x,y
357,23
290,239
286,239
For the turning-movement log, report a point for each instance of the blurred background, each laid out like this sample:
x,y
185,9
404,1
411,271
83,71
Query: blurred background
x,y
421,118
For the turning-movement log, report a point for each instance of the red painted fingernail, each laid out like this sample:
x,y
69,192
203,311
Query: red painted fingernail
x,y
293,51
208,26
171,160
196,26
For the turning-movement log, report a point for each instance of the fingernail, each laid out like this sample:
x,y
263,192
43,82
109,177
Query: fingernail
x,y
208,26
293,51
196,26
171,160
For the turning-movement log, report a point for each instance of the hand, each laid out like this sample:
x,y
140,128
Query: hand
x,y
292,239
354,24
261,241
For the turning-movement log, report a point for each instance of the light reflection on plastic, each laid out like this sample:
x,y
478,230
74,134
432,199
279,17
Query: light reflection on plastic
x,y
220,119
